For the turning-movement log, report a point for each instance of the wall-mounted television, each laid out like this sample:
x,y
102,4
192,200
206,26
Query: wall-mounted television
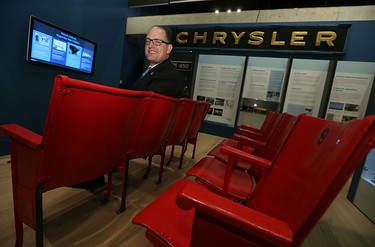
x,y
51,45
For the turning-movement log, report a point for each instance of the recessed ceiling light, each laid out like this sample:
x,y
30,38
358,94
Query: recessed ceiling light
x,y
238,10
229,11
217,11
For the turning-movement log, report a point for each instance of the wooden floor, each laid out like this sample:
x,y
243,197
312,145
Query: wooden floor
x,y
73,217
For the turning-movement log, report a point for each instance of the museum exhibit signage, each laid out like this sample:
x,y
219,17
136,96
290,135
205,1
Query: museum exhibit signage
x,y
218,81
264,78
277,38
351,90
305,86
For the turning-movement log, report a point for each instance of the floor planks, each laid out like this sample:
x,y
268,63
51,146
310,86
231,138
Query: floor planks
x,y
73,217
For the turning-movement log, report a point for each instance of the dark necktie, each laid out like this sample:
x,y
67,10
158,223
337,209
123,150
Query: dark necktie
x,y
136,84
146,71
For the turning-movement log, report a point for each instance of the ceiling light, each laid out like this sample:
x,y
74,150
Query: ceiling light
x,y
229,11
238,10
217,11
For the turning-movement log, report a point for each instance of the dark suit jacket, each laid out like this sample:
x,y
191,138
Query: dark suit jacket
x,y
163,79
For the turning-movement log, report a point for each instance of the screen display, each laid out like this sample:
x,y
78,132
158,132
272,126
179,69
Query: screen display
x,y
52,45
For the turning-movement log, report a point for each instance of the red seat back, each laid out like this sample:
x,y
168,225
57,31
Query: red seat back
x,y
87,128
181,123
157,119
199,116
278,138
266,132
271,115
313,166
316,161
269,118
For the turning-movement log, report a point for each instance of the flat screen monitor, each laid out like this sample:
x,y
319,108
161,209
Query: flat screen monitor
x,y
51,45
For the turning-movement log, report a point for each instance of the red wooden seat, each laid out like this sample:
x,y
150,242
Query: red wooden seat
x,y
87,128
192,132
311,169
228,181
267,121
263,134
265,149
236,184
177,130
245,128
158,114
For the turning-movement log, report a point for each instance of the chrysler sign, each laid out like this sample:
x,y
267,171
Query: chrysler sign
x,y
308,38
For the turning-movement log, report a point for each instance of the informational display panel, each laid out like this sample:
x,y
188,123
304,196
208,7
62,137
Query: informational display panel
x,y
365,191
305,86
218,81
368,173
351,89
264,78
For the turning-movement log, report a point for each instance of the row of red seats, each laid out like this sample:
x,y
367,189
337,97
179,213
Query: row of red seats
x,y
92,130
163,124
261,134
232,182
312,162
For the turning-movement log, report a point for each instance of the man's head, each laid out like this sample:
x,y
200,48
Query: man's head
x,y
157,47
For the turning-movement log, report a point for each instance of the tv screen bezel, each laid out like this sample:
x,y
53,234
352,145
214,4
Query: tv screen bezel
x,y
31,60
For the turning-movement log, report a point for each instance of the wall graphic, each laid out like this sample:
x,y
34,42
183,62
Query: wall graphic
x,y
218,81
350,90
264,78
305,86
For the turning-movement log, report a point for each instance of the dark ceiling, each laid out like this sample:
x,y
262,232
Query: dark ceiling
x,y
194,6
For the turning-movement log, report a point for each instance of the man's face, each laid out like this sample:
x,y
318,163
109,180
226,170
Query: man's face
x,y
156,54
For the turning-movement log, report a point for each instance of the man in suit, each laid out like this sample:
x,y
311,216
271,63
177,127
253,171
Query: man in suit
x,y
161,75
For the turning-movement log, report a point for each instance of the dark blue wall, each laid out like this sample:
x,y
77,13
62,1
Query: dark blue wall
x,y
25,88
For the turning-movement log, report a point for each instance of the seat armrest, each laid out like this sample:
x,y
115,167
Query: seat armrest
x,y
22,135
247,219
250,128
249,133
244,140
244,156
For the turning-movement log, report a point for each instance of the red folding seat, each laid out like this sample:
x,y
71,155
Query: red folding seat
x,y
271,116
313,166
268,124
238,181
177,131
192,133
267,121
263,134
88,126
266,149
228,181
158,113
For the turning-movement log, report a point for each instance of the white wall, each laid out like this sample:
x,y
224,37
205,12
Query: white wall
x,y
139,25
